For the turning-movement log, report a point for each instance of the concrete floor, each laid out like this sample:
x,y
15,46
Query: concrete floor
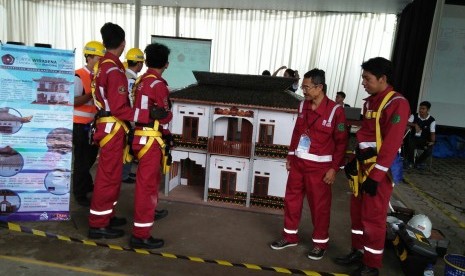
x,y
234,234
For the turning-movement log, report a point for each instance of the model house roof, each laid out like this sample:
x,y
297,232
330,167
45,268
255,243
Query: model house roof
x,y
241,90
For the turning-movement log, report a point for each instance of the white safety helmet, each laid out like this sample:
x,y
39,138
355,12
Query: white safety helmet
x,y
422,223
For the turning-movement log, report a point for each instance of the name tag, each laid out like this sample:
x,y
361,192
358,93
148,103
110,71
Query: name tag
x,y
304,143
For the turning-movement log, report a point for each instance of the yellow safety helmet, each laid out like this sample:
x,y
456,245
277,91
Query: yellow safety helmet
x,y
135,54
94,48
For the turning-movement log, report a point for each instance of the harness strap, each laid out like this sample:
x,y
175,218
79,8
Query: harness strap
x,y
370,163
152,134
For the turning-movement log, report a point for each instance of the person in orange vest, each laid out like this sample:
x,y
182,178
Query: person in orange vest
x,y
84,152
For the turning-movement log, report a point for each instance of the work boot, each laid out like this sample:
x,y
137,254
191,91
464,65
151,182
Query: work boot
x,y
365,270
159,214
105,232
281,244
354,257
316,253
149,243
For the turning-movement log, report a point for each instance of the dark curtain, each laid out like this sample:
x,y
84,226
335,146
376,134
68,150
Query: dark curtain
x,y
411,44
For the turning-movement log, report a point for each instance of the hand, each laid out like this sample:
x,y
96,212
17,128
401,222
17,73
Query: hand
x,y
330,176
169,141
158,113
370,186
351,169
288,165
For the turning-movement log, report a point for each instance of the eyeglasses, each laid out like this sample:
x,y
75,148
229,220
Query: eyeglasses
x,y
307,87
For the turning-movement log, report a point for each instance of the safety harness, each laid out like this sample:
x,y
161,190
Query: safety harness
x,y
369,163
151,132
104,116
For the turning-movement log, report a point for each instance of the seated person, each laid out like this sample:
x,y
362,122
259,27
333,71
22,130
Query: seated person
x,y
422,135
340,97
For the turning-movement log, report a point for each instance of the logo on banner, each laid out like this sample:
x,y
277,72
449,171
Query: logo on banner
x,y
8,59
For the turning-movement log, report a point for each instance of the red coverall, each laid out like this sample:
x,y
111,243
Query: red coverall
x,y
111,91
368,213
151,91
326,128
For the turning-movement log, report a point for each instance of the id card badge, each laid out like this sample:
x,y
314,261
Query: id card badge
x,y
304,143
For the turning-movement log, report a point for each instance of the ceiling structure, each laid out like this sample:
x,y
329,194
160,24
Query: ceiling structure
x,y
370,6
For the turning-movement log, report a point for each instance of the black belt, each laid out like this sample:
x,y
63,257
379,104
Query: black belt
x,y
144,125
103,113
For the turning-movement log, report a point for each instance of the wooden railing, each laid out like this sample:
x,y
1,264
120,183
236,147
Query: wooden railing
x,y
229,148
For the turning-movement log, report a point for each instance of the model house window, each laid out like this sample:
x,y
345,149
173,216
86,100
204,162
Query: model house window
x,y
260,187
265,135
190,129
228,183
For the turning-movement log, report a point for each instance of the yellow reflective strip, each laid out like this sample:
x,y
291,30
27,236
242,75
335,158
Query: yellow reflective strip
x,y
169,255
113,246
396,241
403,256
38,233
142,251
14,227
196,259
63,238
145,148
89,242
252,266
226,263
282,270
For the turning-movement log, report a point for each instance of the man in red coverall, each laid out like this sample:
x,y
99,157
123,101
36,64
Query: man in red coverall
x,y
111,99
368,210
316,152
151,93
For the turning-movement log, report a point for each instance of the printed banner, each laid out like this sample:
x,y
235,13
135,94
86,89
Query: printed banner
x,y
36,126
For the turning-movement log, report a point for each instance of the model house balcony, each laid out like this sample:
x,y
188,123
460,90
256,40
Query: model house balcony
x,y
199,143
219,146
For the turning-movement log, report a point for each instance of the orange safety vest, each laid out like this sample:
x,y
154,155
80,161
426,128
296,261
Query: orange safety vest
x,y
85,113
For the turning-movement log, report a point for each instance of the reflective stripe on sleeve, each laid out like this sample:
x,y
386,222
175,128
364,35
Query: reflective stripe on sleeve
x,y
320,241
101,213
313,157
290,231
136,224
382,168
357,232
374,251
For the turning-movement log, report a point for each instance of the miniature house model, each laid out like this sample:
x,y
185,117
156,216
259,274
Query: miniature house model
x,y
232,134
52,90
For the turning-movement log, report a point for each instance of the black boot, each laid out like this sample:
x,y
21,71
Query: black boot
x,y
354,257
105,232
364,270
150,243
159,214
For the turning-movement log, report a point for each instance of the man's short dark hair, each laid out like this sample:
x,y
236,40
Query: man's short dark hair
x,y
156,55
112,35
266,73
317,76
379,66
342,94
426,103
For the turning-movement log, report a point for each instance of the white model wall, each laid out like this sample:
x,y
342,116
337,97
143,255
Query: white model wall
x,y
283,122
200,111
232,164
277,173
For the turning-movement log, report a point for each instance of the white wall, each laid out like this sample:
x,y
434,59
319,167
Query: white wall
x,y
284,125
181,109
276,171
238,165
